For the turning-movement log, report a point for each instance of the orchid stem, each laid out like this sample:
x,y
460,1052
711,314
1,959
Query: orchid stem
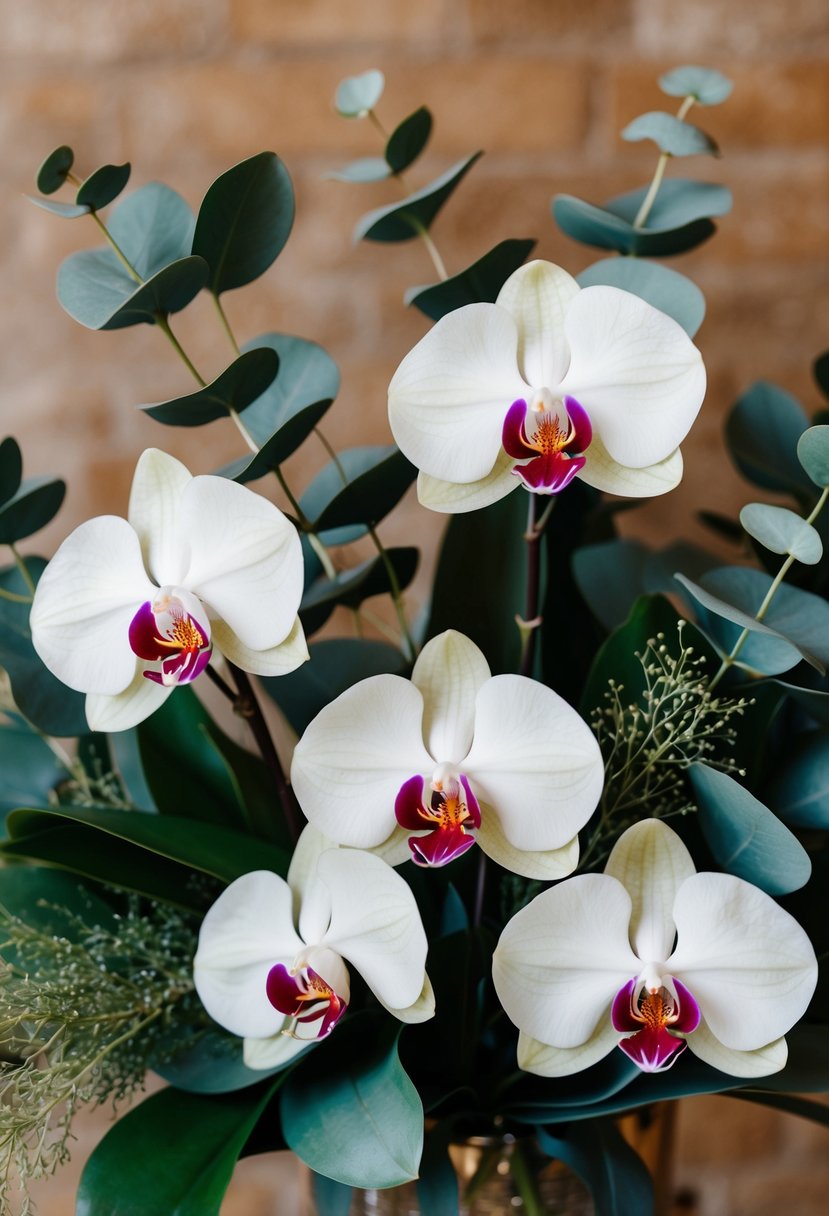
x,y
661,165
24,573
530,623
480,888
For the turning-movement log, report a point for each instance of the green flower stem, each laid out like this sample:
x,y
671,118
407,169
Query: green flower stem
x,y
759,615
661,165
14,598
480,889
530,623
226,324
525,1182
24,573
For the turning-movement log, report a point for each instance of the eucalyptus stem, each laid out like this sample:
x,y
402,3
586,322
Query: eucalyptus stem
x,y
116,248
164,325
226,324
661,165
24,572
14,598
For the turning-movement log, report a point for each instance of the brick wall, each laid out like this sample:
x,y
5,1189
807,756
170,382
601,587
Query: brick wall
x,y
184,88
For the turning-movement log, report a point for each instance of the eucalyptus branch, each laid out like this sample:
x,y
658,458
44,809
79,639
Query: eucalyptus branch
x,y
661,165
20,562
116,248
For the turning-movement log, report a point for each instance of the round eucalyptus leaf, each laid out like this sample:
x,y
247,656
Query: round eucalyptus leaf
x,y
679,219
763,431
670,134
406,220
33,505
102,186
782,531
53,172
681,201
361,487
408,140
11,469
352,586
480,282
707,86
367,169
153,227
94,288
235,389
665,289
66,211
356,95
800,790
813,454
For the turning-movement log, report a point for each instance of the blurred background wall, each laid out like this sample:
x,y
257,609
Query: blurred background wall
x,y
186,88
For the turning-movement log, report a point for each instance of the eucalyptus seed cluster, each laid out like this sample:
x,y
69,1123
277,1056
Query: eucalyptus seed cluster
x,y
83,1012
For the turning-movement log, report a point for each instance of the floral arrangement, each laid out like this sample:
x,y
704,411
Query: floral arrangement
x,y
505,865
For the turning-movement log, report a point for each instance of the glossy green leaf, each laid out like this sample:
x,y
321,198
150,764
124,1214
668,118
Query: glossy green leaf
x,y
31,508
244,221
615,1175
11,469
103,186
361,487
30,770
40,696
66,211
813,454
670,134
238,385
408,140
126,758
353,586
405,220
134,1167
782,531
665,289
479,282
95,289
745,837
212,1064
799,792
355,1116
763,430
53,172
307,383
366,169
356,95
707,86
335,665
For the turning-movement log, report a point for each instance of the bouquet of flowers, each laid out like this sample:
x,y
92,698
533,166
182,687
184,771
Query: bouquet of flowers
x,y
548,851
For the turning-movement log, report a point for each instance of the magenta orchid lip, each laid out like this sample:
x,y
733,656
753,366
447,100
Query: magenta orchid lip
x,y
450,813
550,440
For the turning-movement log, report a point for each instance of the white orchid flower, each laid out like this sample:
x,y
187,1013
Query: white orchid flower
x,y
125,611
455,755
549,383
652,956
271,960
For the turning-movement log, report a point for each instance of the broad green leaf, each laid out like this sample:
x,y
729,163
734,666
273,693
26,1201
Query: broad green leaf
x,y
408,140
127,761
670,134
665,289
11,469
356,95
615,1175
154,227
437,1186
331,1198
213,1064
244,221
273,451
52,173
352,1113
246,379
813,454
602,228
611,577
479,282
707,86
745,837
40,696
103,186
366,169
405,220
335,665
361,487
353,586
818,1112
763,430
32,507
307,383
66,211
681,201
799,792
39,896
30,770
136,1167
782,531
94,288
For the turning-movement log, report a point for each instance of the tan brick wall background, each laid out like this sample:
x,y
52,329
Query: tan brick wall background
x,y
185,88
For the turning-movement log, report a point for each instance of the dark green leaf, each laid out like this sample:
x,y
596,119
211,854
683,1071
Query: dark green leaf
x,y
134,1168
437,1186
94,288
356,95
213,1064
479,282
670,134
782,531
665,289
39,896
307,383
355,1116
331,1198
611,577
52,173
813,454
707,86
615,1175
66,211
744,836
821,372
799,792
277,448
127,761
763,430
408,140
244,221
11,469
355,585
30,770
405,220
367,169
681,201
361,487
103,186
31,508
241,383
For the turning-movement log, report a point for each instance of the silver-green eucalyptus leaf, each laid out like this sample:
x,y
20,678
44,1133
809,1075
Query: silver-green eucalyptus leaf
x,y
670,134
813,454
356,95
707,86
782,531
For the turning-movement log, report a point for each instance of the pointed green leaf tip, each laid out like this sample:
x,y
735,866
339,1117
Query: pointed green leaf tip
x,y
356,95
813,454
670,134
707,86
52,173
782,531
409,139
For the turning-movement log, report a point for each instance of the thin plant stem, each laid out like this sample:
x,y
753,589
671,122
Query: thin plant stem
x,y
164,325
116,249
661,165
24,570
525,1182
480,889
226,324
531,621
14,598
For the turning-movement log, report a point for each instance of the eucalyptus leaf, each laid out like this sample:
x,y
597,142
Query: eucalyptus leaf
x,y
356,95
799,792
408,219
96,290
366,169
307,383
670,134
153,227
615,1175
32,507
782,531
53,172
611,577
821,372
408,140
66,211
681,201
241,383
480,282
11,469
103,186
813,454
665,289
353,586
244,221
707,86
30,770
763,430
361,487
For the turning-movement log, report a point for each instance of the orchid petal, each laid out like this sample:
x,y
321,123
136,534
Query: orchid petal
x,y
84,603
547,866
455,499
748,963
448,397
758,1063
375,925
277,660
534,761
604,473
449,672
245,559
352,759
272,1052
421,1010
303,866
246,931
561,959
395,849
635,371
651,863
538,296
155,514
140,699
546,1061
